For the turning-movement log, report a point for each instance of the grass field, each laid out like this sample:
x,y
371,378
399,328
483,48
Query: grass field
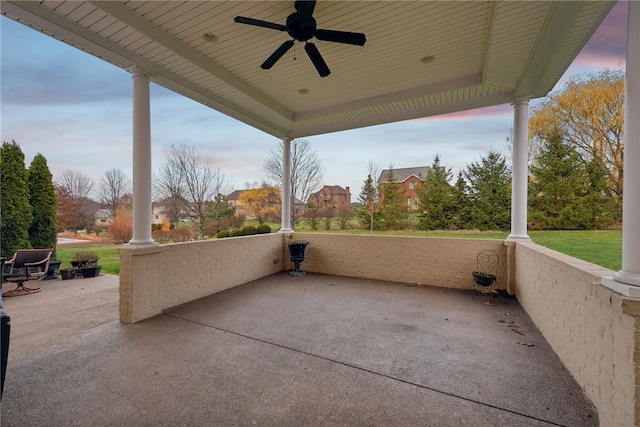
x,y
601,247
109,257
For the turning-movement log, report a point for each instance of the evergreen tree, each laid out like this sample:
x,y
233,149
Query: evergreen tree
x,y
566,193
461,218
219,212
490,192
436,198
16,215
369,199
42,198
394,211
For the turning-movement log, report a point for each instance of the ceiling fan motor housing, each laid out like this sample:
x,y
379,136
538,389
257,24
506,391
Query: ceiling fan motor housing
x,y
301,28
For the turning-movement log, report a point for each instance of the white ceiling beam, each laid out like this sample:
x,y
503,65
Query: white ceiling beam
x,y
563,14
416,113
414,92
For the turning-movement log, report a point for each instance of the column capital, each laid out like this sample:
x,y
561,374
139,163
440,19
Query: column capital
x,y
520,100
136,71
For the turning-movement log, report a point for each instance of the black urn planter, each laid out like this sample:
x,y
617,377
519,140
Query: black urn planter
x,y
483,279
296,250
54,264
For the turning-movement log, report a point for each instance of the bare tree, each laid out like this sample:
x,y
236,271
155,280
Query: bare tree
x,y
77,184
306,172
113,186
78,187
168,188
192,177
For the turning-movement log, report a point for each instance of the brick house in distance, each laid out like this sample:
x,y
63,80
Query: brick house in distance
x,y
410,178
330,195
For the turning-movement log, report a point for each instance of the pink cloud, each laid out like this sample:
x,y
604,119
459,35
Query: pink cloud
x,y
607,46
493,112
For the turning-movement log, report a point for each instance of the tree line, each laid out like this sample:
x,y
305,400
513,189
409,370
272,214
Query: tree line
x,y
575,171
575,182
188,185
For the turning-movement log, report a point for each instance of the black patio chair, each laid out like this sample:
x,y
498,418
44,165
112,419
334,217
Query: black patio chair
x,y
26,265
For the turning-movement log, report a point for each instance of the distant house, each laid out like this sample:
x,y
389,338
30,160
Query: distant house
x,y
234,199
241,209
330,195
103,217
160,211
410,178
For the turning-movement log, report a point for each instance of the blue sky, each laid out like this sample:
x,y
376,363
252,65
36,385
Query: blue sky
x,y
76,110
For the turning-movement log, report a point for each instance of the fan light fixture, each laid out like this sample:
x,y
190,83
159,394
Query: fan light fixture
x,y
427,59
210,37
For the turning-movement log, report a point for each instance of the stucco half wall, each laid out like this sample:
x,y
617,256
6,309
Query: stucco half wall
x,y
593,330
420,260
153,278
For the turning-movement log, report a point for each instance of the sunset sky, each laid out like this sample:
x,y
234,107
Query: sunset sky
x,y
76,110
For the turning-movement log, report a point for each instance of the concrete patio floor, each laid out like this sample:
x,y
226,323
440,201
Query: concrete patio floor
x,y
317,350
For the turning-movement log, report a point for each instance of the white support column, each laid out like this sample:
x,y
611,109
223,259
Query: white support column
x,y
286,186
519,170
141,159
627,280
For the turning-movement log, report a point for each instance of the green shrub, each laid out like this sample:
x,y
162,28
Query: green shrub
x,y
222,234
263,229
236,232
248,230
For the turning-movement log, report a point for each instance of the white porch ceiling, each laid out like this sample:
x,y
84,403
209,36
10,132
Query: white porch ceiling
x,y
486,53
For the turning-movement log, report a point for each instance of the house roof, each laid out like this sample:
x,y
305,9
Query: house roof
x,y
335,189
404,173
234,195
421,58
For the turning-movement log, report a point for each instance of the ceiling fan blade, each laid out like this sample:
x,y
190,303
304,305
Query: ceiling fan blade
x,y
341,37
259,23
284,47
316,58
305,7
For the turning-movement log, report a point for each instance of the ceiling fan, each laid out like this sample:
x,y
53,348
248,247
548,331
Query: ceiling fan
x,y
301,26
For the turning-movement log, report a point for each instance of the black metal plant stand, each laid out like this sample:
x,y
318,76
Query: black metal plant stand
x,y
487,267
296,250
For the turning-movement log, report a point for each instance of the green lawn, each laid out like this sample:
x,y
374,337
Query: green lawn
x,y
109,257
601,247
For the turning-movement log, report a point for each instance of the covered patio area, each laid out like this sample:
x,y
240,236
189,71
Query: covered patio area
x,y
313,350
259,351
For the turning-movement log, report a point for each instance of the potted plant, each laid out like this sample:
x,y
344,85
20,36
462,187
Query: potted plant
x,y
81,258
67,271
296,250
90,269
